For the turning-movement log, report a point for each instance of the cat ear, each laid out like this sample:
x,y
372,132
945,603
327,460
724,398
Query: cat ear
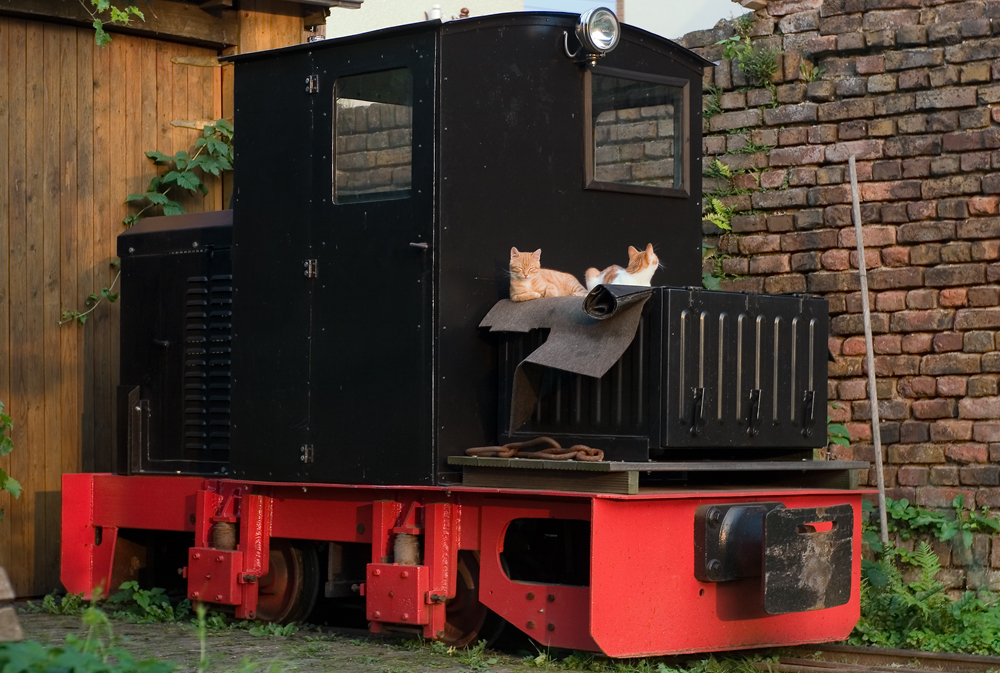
x,y
537,254
513,253
649,247
632,252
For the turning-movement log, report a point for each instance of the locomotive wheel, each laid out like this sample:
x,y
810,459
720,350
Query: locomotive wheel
x,y
467,620
288,592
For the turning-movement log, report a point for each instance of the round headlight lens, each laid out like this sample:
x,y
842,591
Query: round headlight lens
x,y
598,30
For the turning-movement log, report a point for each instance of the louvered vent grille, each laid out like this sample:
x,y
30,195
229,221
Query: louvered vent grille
x,y
207,360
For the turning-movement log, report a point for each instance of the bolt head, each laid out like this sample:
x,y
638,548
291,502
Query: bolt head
x,y
376,572
218,597
391,594
715,566
218,559
531,596
377,615
196,556
404,574
551,627
207,576
405,616
531,625
714,516
194,594
252,614
552,598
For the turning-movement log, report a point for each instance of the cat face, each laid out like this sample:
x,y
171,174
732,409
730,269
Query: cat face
x,y
639,260
525,264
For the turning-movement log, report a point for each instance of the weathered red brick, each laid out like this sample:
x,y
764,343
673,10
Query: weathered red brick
x,y
890,191
986,431
786,283
980,475
769,264
950,363
888,410
932,408
919,232
810,240
922,299
797,156
953,297
981,227
984,205
846,109
946,98
983,386
869,65
887,344
966,453
911,432
979,407
752,245
916,343
983,296
977,318
912,146
985,250
952,185
944,475
933,496
891,278
735,120
952,386
947,342
916,453
891,301
925,386
922,321
951,430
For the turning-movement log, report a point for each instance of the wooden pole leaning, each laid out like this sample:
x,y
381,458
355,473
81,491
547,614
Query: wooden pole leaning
x,y
869,353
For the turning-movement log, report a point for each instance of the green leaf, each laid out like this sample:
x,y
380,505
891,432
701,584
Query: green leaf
x,y
11,485
173,208
100,37
710,282
189,181
156,197
159,157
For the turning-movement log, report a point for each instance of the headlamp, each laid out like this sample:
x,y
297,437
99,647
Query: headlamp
x,y
598,30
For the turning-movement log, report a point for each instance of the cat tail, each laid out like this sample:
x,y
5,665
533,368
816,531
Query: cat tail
x,y
593,277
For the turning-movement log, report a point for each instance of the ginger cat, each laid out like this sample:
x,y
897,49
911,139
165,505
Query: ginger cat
x,y
641,267
528,280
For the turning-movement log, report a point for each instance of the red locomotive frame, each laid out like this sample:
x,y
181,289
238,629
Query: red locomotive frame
x,y
643,598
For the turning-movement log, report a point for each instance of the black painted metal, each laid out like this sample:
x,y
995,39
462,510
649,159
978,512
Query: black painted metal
x,y
378,361
729,540
808,558
175,345
707,370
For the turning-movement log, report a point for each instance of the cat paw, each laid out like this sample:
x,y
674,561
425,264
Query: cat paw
x,y
525,296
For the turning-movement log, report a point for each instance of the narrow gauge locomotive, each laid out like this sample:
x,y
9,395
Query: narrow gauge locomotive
x,y
302,375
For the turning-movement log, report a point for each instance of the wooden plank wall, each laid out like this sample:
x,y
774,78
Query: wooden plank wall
x,y
75,121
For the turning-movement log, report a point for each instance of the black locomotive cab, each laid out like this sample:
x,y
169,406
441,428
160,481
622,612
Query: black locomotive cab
x,y
383,179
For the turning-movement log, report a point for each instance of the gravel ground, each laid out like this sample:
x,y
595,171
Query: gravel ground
x,y
308,652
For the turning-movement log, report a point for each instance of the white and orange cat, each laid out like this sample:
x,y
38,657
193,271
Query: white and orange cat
x,y
641,267
528,280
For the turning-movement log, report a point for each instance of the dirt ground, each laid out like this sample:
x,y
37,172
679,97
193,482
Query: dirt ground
x,y
305,651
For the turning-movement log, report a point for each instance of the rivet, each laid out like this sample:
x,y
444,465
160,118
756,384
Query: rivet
x,y
551,627
378,615
376,572
391,594
196,556
404,574
218,558
531,625
531,596
714,566
405,616
218,597
252,614
194,594
208,577
552,598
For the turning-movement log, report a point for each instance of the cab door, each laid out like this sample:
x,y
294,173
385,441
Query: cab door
x,y
373,248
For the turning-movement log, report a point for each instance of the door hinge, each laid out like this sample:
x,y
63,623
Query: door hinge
x,y
311,268
312,84
308,454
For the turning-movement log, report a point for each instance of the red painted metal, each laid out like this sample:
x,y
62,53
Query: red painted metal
x,y
554,615
213,574
397,594
646,600
643,598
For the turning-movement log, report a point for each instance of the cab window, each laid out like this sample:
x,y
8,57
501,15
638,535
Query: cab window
x,y
373,135
637,135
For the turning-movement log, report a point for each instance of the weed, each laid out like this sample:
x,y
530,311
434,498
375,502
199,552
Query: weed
x,y
711,102
145,606
271,629
474,657
70,604
810,72
757,63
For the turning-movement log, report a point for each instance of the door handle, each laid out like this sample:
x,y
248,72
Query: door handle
x,y
421,245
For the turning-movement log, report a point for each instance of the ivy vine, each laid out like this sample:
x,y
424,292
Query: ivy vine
x,y
7,483
103,12
212,153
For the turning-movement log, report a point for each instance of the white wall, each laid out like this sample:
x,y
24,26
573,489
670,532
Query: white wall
x,y
376,14
676,18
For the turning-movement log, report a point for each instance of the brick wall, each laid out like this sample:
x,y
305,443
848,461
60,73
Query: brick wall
x,y
912,88
373,149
